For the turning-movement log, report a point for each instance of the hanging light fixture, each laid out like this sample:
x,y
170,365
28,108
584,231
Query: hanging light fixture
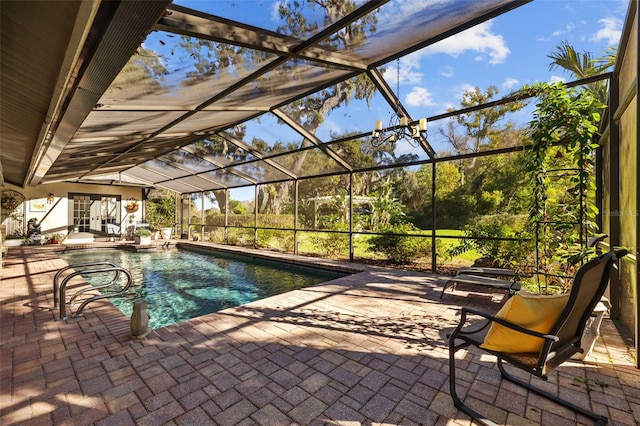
x,y
399,127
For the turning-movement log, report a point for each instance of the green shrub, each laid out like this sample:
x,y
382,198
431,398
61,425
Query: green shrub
x,y
215,235
143,232
332,244
278,240
240,237
400,249
160,212
276,220
218,219
516,253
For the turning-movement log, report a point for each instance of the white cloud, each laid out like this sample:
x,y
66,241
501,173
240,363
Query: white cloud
x,y
407,66
510,83
419,96
611,31
407,74
275,11
412,78
566,30
478,39
460,90
555,79
569,8
447,72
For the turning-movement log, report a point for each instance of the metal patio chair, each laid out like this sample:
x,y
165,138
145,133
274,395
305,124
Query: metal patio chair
x,y
558,345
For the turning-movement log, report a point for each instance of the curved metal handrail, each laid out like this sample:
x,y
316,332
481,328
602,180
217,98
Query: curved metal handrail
x,y
65,281
96,286
78,312
56,278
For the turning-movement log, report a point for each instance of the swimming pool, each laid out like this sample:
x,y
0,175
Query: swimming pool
x,y
181,284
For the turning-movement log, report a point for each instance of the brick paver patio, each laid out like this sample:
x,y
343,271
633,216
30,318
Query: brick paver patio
x,y
364,349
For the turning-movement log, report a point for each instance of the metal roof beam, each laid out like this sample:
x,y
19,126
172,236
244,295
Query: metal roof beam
x,y
258,155
219,165
184,169
192,23
312,138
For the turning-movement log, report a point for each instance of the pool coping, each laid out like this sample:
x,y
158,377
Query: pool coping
x,y
315,262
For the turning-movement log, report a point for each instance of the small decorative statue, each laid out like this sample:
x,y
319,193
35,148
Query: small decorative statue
x,y
33,231
140,320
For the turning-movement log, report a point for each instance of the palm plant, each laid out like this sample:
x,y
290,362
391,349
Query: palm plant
x,y
584,65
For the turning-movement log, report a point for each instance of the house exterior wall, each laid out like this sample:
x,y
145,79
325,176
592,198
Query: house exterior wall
x,y
57,216
621,203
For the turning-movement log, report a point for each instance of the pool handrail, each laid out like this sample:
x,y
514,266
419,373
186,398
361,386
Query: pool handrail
x,y
95,286
78,312
56,278
65,281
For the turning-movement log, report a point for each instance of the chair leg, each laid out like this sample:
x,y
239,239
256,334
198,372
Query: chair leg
x,y
450,283
599,420
457,401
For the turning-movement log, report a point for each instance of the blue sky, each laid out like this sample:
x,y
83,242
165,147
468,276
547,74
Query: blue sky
x,y
510,50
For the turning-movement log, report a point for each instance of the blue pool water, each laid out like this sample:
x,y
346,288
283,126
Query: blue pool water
x,y
181,284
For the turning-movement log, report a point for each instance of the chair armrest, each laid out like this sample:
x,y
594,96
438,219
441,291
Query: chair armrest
x,y
620,253
490,319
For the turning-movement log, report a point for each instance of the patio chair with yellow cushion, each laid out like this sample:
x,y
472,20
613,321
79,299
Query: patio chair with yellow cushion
x,y
534,333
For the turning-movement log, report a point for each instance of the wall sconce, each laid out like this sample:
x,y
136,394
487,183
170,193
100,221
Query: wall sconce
x,y
50,199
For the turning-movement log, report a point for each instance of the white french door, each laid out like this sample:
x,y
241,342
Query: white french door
x,y
92,212
95,222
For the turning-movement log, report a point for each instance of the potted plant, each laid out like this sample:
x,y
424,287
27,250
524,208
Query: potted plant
x,y
131,206
155,232
54,238
166,232
142,236
161,214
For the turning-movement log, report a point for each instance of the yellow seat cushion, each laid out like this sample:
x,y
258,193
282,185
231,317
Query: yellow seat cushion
x,y
533,312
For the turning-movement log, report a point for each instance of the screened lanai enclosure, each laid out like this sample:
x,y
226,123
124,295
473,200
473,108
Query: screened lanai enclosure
x,y
292,133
